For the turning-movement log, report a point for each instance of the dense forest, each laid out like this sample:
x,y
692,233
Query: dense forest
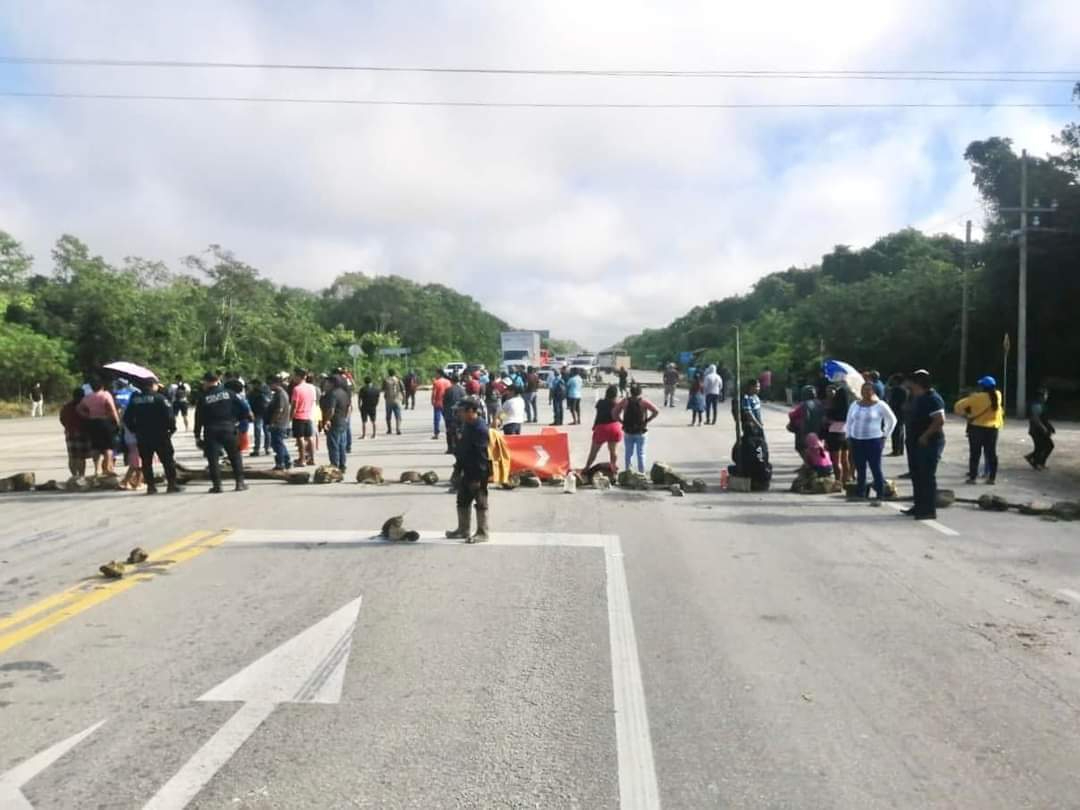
x,y
896,304
215,311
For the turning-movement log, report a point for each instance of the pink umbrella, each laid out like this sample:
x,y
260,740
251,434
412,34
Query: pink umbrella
x,y
123,368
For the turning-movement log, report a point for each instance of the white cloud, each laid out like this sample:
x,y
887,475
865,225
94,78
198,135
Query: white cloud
x,y
593,223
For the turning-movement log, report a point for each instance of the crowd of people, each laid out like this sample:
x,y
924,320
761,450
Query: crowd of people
x,y
837,433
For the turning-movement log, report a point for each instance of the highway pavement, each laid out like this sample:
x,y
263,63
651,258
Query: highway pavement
x,y
605,650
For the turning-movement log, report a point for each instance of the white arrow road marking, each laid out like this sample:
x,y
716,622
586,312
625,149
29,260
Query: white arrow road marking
x,y
637,768
308,668
542,457
11,783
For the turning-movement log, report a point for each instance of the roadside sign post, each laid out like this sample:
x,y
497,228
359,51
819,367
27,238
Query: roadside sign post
x,y
1006,344
355,350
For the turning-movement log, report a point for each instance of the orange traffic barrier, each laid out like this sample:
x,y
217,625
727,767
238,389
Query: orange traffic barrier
x,y
546,454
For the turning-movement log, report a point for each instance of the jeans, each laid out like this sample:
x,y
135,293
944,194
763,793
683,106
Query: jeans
x,y
712,408
982,440
868,452
336,444
923,462
557,409
531,413
262,434
512,429
393,411
278,435
635,445
436,418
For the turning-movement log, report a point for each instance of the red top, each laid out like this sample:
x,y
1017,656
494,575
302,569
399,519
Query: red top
x,y
438,391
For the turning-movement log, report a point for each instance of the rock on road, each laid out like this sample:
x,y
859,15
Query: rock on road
x,y
793,652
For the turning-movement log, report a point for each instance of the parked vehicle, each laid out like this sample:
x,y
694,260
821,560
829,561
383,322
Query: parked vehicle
x,y
611,361
519,349
457,367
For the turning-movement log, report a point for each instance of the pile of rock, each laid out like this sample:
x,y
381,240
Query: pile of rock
x,y
1061,510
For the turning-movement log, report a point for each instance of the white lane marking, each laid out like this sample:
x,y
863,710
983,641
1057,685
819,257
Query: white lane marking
x,y
12,781
1070,594
308,668
638,788
933,524
208,760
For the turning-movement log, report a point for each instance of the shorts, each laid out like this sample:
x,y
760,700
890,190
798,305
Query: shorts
x,y
78,446
179,409
836,442
368,414
101,433
302,429
608,433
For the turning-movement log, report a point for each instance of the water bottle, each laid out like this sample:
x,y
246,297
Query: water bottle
x,y
724,478
569,486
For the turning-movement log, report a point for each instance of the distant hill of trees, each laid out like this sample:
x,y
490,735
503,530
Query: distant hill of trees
x,y
216,312
896,304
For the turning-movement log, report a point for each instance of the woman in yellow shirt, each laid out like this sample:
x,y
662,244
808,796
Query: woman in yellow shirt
x,y
985,416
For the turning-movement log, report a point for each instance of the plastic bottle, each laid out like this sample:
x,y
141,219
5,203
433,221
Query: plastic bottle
x,y
724,478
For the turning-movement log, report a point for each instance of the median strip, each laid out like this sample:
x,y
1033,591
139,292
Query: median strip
x,y
67,604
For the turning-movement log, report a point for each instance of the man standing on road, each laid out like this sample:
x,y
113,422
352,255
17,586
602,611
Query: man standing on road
x,y
750,408
150,418
925,444
557,396
393,394
369,407
337,411
453,396
181,391
472,468
412,383
37,401
258,397
278,415
532,386
714,385
897,397
623,377
217,416
671,379
302,400
574,386
1040,430
439,387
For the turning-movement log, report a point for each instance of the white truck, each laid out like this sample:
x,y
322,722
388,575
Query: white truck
x,y
611,361
519,349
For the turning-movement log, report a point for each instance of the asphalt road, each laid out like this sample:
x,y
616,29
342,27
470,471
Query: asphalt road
x,y
728,650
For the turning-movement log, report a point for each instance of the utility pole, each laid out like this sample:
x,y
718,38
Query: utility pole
x,y
738,391
1021,319
964,306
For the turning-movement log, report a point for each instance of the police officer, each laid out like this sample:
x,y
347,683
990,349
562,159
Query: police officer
x,y
216,417
150,417
472,471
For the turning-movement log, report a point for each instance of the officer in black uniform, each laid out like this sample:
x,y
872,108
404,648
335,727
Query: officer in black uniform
x,y
218,411
149,416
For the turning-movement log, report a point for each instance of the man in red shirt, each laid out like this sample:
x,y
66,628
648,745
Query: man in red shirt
x,y
438,390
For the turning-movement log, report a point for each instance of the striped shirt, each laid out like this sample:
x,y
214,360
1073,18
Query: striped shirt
x,y
874,421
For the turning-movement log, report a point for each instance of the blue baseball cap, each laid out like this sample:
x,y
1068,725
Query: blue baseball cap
x,y
988,382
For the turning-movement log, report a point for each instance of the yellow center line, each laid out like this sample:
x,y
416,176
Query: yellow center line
x,y
78,600
50,602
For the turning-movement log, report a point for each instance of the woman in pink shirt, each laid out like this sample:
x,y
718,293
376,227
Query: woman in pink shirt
x,y
102,420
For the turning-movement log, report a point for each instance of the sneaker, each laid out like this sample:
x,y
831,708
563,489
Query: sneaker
x,y
909,511
927,516
1030,459
214,491
241,487
969,480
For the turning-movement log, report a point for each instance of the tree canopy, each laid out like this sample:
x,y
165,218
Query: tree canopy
x,y
216,311
895,305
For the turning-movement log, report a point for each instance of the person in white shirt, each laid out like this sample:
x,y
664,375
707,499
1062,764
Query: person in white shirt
x,y
512,413
714,387
869,422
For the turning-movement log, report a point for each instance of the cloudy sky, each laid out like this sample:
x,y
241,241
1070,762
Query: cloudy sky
x,y
593,223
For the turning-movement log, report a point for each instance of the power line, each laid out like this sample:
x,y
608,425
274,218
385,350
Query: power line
x,y
984,105
1020,76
